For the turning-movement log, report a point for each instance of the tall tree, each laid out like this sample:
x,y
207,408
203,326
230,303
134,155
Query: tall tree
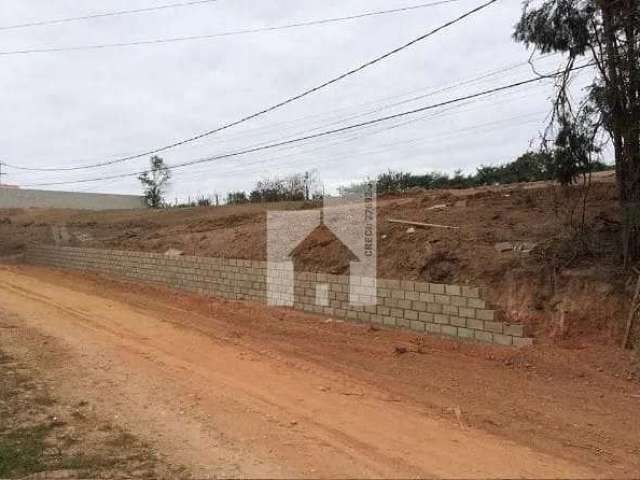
x,y
155,181
607,32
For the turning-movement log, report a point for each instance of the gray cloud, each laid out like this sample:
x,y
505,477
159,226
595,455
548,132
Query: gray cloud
x,y
88,106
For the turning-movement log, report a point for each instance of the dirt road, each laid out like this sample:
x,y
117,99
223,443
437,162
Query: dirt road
x,y
241,390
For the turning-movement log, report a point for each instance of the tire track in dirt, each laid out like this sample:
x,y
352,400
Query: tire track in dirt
x,y
265,416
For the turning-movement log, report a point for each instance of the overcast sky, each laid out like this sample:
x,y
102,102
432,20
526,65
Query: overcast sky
x,y
75,108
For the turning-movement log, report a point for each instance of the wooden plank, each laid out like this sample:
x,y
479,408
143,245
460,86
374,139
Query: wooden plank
x,y
421,224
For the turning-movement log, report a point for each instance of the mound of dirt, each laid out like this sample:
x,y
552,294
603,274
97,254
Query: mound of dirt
x,y
542,260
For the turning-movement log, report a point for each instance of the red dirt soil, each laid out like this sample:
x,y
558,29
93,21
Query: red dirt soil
x,y
237,389
570,289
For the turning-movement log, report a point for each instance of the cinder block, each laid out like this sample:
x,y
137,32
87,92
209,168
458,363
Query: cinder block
x,y
441,319
486,315
411,315
413,296
390,302
476,303
436,288
452,290
494,327
434,308
465,333
506,340
390,321
384,293
404,304
475,324
407,285
514,330
426,317
390,284
421,287
457,322
443,299
328,311
450,310
483,336
398,294
467,312
419,306
427,297
373,309
340,312
449,330
433,328
403,323
418,326
471,292
522,342
459,301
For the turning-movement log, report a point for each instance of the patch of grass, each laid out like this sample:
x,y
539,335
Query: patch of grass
x,y
44,400
4,358
22,451
87,463
36,439
123,439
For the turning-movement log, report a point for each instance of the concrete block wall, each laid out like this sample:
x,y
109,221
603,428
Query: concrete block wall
x,y
20,198
429,308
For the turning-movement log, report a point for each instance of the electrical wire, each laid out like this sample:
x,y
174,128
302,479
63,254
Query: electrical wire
x,y
273,107
453,109
359,136
210,36
332,116
321,134
58,21
384,148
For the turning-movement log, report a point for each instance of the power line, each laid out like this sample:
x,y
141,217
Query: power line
x,y
453,109
426,95
348,140
209,36
58,21
385,147
333,116
276,106
317,148
321,134
379,104
378,109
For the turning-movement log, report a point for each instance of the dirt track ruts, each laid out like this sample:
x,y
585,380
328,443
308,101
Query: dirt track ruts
x,y
213,393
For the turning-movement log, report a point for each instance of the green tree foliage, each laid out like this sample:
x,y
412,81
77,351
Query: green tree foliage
x,y
529,167
237,197
155,181
297,187
607,33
